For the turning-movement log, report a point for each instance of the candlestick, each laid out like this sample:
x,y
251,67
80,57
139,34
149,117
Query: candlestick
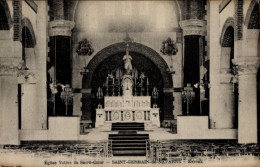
x,y
107,82
147,88
107,87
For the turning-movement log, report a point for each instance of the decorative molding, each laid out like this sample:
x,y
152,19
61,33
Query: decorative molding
x,y
9,66
239,17
17,17
84,48
60,27
248,69
193,27
33,5
169,47
27,76
223,4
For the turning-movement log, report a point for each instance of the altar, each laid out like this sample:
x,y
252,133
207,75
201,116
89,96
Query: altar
x,y
130,106
127,109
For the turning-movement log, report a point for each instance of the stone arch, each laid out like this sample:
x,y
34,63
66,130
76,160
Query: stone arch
x,y
230,22
5,16
27,32
133,47
28,43
252,16
227,45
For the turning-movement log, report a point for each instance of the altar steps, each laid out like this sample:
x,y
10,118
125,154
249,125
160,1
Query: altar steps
x,y
127,142
131,126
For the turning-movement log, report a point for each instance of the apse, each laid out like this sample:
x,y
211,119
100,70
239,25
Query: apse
x,y
140,63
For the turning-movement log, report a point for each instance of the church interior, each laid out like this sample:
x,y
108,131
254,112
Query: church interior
x,y
130,76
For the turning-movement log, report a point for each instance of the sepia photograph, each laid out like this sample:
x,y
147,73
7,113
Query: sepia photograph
x,y
129,83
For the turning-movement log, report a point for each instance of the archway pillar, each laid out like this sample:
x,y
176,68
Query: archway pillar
x,y
193,31
248,64
60,57
9,132
247,109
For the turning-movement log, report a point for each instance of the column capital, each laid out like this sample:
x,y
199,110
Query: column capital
x,y
246,69
60,27
9,66
248,65
193,27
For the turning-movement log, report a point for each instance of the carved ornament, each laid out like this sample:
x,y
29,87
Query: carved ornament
x,y
61,27
193,27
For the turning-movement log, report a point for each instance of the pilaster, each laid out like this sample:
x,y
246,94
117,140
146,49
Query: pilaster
x,y
9,133
247,110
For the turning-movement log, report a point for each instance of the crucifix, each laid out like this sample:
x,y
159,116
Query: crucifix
x,y
188,95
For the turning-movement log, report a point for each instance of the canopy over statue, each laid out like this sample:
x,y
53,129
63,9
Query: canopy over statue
x,y
128,61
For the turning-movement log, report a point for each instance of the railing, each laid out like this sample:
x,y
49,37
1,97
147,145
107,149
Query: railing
x,y
164,152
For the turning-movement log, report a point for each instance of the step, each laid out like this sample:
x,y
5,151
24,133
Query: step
x,y
129,152
115,138
128,148
127,128
129,141
136,123
129,144
125,125
126,134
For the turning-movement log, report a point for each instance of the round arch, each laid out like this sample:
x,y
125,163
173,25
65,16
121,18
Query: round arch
x,y
230,22
27,33
252,16
5,16
133,47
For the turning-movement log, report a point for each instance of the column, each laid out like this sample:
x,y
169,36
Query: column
x,y
60,57
9,119
248,64
193,32
225,118
247,106
41,67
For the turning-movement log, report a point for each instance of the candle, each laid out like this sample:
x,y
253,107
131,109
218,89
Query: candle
x,y
147,81
107,82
